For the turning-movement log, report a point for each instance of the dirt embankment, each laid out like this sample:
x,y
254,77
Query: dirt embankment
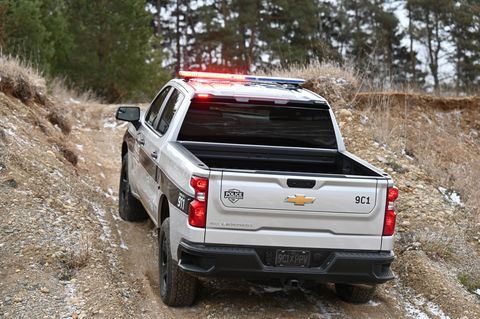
x,y
65,253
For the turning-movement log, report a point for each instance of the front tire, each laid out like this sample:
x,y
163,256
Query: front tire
x,y
177,288
129,208
355,294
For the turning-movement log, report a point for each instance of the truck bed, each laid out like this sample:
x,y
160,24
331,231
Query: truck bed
x,y
285,159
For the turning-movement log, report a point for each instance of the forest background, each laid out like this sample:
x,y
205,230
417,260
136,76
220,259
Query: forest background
x,y
125,50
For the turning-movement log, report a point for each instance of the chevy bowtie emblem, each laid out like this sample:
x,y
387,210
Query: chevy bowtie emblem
x,y
300,200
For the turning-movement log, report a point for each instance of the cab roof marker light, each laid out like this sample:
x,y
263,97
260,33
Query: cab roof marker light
x,y
238,77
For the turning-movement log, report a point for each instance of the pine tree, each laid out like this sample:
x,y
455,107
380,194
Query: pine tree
x,y
112,50
465,26
24,33
54,19
292,32
431,20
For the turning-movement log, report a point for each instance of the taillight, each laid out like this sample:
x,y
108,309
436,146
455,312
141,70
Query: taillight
x,y
197,211
390,215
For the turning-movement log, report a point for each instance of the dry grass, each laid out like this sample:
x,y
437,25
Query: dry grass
x,y
21,80
328,71
338,84
61,119
61,91
67,153
470,282
77,256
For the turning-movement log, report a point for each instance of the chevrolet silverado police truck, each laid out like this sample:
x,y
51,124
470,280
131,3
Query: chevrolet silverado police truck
x,y
248,177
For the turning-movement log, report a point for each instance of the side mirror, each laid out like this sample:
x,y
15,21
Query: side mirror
x,y
128,113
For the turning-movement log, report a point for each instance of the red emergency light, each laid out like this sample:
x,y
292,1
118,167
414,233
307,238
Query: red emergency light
x,y
238,77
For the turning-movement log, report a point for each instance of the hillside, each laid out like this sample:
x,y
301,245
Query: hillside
x,y
65,253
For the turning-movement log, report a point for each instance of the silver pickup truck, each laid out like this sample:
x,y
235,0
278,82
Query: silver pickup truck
x,y
248,177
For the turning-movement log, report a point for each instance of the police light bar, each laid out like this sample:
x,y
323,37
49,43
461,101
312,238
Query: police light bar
x,y
238,77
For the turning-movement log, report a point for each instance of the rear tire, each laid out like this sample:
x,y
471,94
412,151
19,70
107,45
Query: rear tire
x,y
177,288
355,294
129,208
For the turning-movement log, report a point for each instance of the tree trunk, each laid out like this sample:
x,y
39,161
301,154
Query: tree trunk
x,y
413,60
177,35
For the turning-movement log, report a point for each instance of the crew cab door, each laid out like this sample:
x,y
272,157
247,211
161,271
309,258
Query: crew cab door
x,y
151,151
144,176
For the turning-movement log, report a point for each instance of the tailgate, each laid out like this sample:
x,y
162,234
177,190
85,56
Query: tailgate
x,y
305,207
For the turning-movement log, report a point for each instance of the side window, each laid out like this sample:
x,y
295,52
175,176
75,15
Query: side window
x,y
156,105
169,111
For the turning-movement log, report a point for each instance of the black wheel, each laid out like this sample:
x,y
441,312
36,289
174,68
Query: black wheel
x,y
129,208
177,288
355,294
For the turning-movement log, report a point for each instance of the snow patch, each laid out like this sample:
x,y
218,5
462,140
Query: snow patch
x,y
10,132
72,100
106,235
109,194
451,196
432,309
364,119
123,245
110,124
477,291
70,294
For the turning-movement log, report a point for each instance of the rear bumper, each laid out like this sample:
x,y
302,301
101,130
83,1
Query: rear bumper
x,y
338,266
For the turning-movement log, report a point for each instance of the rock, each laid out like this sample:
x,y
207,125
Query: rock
x,y
381,159
342,113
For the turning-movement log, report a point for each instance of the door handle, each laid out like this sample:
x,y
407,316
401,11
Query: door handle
x,y
140,139
154,155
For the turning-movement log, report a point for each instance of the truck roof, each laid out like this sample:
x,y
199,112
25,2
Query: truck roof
x,y
243,86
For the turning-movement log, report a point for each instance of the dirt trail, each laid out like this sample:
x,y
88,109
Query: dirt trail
x,y
101,140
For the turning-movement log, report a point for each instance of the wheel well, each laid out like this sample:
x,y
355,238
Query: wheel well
x,y
164,210
124,149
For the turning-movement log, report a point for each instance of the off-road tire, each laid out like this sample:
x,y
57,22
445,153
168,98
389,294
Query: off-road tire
x,y
129,208
355,294
177,288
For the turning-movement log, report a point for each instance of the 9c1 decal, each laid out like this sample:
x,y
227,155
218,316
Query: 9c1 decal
x,y
365,200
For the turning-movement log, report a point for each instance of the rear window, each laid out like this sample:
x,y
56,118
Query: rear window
x,y
275,125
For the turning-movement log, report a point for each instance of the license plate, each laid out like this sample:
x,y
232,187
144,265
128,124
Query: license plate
x,y
292,258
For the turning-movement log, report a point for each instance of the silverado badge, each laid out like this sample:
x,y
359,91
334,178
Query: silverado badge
x,y
300,200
